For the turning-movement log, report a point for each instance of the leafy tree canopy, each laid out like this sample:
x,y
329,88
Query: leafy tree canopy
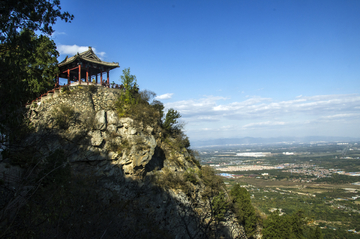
x,y
244,210
292,226
128,81
130,96
30,66
171,120
35,15
28,63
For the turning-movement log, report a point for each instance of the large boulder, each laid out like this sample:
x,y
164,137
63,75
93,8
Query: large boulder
x,y
96,138
112,117
100,120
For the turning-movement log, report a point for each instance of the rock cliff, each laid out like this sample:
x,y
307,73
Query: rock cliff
x,y
127,160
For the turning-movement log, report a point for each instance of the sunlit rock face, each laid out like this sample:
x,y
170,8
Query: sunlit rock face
x,y
123,155
98,134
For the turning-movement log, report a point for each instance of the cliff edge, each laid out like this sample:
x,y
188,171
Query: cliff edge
x,y
119,177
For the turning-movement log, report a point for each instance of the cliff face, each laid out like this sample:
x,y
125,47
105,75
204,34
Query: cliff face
x,y
126,158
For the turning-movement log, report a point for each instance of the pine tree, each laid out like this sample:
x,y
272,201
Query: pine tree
x,y
245,211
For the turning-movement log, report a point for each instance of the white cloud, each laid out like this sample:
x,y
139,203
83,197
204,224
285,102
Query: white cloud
x,y
267,123
339,116
164,96
74,49
257,107
203,107
58,34
258,115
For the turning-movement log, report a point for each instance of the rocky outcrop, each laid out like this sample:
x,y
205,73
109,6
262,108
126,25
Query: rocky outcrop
x,y
124,155
95,130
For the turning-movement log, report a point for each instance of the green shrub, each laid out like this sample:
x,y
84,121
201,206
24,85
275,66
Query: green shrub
x,y
213,182
168,179
194,154
288,226
146,95
219,206
123,146
135,105
197,163
190,176
182,140
170,122
177,141
129,96
143,114
158,106
244,210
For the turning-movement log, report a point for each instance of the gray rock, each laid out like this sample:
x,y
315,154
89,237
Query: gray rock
x,y
112,117
141,159
112,129
113,156
100,120
132,131
125,161
151,141
126,122
96,138
126,156
122,131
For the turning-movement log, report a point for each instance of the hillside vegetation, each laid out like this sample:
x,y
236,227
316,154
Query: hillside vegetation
x,y
93,152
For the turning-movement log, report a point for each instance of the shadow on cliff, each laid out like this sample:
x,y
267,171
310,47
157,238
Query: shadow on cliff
x,y
67,192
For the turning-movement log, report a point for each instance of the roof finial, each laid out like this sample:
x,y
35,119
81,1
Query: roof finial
x,y
90,48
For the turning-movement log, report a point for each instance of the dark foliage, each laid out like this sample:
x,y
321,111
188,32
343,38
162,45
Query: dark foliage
x,y
35,15
244,210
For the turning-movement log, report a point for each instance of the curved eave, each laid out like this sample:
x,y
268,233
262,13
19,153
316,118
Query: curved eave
x,y
103,63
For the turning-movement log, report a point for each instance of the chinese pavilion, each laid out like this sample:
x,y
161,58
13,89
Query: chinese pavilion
x,y
85,66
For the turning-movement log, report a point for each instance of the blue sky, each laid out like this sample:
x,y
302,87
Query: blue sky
x,y
232,68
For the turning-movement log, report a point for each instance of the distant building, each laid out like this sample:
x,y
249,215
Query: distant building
x,y
288,153
254,154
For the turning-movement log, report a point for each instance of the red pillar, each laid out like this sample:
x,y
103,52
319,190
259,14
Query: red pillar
x,y
68,71
87,75
79,74
57,81
101,78
108,84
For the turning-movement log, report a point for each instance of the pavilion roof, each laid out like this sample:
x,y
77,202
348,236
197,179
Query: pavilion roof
x,y
89,56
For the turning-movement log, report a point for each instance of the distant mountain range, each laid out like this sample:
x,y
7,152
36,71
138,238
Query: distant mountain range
x,y
277,140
